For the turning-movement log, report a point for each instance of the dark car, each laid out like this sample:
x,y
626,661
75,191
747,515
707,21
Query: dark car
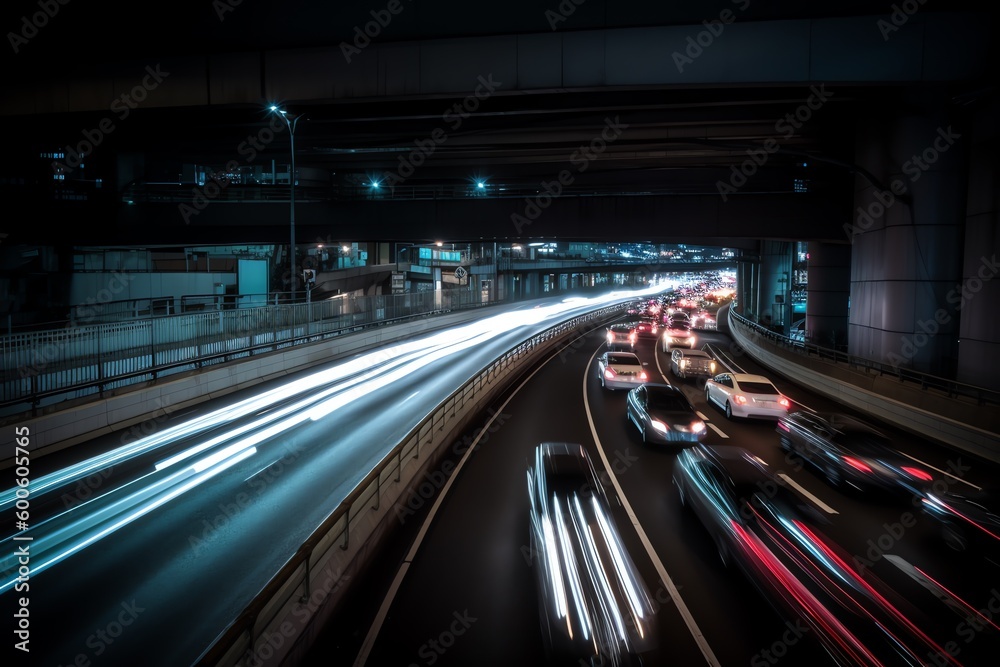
x,y
969,520
851,453
775,538
646,327
594,607
662,413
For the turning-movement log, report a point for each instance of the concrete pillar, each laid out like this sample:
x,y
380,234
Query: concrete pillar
x,y
976,296
906,236
775,283
828,293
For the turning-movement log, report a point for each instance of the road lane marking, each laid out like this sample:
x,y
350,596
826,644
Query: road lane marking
x,y
702,416
383,611
716,429
661,570
791,482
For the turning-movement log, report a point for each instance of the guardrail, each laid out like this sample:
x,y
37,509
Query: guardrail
x,y
950,388
331,549
41,366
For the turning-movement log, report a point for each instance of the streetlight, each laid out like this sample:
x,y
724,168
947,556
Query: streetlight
x,y
291,121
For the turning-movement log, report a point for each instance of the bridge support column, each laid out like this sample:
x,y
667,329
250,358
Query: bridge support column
x,y
774,285
828,294
906,232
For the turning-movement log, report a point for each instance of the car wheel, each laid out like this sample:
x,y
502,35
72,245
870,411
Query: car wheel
x,y
729,411
708,398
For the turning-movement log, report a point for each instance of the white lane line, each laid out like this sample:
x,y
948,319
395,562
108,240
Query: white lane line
x,y
405,566
943,472
791,482
716,429
657,358
734,368
702,416
675,595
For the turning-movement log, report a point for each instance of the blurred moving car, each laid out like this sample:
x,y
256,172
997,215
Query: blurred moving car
x,y
691,363
775,538
620,370
849,451
968,520
662,413
594,608
746,395
677,333
622,335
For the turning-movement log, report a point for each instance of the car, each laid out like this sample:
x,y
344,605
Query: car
x,y
677,334
685,363
662,413
647,327
764,530
594,607
622,335
746,395
968,520
620,370
850,452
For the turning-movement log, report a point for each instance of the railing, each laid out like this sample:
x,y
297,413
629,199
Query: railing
x,y
292,587
950,388
40,367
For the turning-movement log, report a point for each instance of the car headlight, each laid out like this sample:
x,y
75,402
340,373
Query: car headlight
x,y
659,426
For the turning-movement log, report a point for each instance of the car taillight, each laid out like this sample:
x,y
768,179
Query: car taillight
x,y
783,402
857,464
609,373
611,337
922,475
742,400
784,427
642,375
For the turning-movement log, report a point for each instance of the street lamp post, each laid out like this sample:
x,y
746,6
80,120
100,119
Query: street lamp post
x,y
291,121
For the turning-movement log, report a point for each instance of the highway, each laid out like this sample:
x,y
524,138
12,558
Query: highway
x,y
143,549
465,593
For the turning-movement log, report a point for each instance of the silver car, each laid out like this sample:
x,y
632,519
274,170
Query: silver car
x,y
620,370
594,607
691,363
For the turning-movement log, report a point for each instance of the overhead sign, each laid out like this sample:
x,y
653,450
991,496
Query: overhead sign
x,y
398,283
461,273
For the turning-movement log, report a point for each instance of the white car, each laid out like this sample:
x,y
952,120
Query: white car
x,y
746,395
620,370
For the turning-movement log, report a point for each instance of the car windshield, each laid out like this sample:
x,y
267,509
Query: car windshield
x,y
758,388
669,402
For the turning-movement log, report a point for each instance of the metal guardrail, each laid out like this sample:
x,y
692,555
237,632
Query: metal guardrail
x,y
92,359
294,580
951,388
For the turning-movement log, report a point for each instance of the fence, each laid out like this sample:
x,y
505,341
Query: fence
x,y
45,367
